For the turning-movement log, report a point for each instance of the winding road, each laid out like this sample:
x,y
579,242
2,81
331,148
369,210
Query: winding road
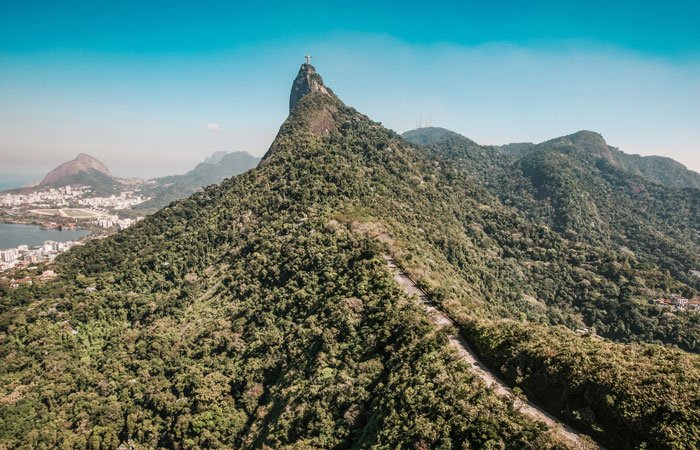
x,y
571,437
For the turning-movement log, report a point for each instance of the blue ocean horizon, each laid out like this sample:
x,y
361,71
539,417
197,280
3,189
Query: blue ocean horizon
x,y
13,181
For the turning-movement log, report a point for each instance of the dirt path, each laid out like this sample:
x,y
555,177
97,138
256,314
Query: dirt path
x,y
571,437
184,328
206,294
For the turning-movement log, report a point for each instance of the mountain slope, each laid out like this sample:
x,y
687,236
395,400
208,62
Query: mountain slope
x,y
428,135
245,316
575,185
213,170
260,313
83,170
658,169
81,163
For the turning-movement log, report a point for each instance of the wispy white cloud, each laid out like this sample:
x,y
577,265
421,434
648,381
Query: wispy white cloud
x,y
213,126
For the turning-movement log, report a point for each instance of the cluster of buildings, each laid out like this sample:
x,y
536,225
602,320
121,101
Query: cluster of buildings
x,y
44,276
53,197
112,221
59,201
679,303
64,196
26,255
124,200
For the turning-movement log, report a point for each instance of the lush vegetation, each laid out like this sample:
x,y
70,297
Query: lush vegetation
x,y
589,192
244,317
632,396
259,313
428,135
659,169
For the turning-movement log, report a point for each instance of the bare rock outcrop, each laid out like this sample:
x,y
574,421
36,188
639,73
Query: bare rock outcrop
x,y
81,163
306,82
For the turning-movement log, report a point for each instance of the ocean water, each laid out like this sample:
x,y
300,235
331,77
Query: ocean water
x,y
13,181
13,235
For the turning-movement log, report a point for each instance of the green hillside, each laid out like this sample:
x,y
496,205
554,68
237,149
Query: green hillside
x,y
175,187
429,135
260,313
659,169
576,186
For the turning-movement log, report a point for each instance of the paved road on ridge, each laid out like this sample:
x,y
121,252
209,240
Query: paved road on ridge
x,y
572,437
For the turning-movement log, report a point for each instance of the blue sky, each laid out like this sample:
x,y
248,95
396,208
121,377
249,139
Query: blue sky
x,y
136,83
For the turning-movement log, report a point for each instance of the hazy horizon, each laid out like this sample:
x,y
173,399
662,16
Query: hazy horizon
x,y
152,92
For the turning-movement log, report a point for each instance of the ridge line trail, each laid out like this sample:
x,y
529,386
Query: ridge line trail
x,y
572,437
186,326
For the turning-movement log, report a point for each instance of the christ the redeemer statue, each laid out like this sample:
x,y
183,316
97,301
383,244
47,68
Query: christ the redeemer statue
x,y
308,59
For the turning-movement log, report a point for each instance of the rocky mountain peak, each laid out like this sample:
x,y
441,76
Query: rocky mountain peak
x,y
306,82
82,163
592,142
588,141
585,137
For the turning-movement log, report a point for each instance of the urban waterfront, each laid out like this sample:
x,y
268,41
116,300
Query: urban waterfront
x,y
13,235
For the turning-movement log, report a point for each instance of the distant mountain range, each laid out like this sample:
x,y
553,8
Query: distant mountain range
x,y
82,170
214,169
81,163
659,169
589,192
88,171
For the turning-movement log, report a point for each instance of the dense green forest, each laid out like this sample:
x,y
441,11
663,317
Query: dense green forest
x,y
630,396
590,192
260,313
245,317
659,169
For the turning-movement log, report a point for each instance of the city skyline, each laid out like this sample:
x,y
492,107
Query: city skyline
x,y
152,91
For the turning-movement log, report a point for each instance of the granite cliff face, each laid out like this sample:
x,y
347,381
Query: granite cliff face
x,y
81,163
306,82
589,141
318,116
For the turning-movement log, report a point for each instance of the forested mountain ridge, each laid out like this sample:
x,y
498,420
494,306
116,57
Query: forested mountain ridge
x,y
246,316
659,169
259,313
576,185
213,170
429,135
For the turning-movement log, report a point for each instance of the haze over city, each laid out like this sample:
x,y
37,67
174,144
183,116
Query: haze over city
x,y
151,90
